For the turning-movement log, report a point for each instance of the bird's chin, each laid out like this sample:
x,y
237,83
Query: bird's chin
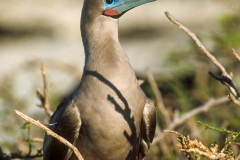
x,y
113,13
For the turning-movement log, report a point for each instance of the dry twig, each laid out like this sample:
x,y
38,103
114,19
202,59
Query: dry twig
x,y
36,139
225,78
198,42
203,108
43,97
51,133
161,107
237,55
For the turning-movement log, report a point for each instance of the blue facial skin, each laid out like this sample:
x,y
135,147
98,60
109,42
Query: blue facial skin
x,y
107,6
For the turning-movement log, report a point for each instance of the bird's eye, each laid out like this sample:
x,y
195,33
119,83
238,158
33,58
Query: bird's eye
x,y
109,1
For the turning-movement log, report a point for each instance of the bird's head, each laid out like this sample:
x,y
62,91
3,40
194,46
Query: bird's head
x,y
101,16
110,8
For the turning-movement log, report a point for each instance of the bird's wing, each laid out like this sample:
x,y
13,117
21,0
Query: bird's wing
x,y
148,127
65,122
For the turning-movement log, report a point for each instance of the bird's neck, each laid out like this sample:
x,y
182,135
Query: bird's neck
x,y
101,43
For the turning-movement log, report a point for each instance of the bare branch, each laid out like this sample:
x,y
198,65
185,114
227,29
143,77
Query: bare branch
x,y
234,99
198,42
225,78
203,108
51,133
36,139
161,107
237,55
43,97
45,89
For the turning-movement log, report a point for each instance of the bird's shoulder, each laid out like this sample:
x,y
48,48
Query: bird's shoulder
x,y
66,115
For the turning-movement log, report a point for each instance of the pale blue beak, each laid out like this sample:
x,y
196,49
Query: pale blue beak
x,y
119,7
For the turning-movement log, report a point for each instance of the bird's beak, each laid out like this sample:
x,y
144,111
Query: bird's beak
x,y
121,6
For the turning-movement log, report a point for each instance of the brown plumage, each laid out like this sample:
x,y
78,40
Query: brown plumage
x,y
107,116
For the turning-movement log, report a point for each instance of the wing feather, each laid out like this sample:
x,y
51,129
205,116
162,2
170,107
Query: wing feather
x,y
66,123
147,128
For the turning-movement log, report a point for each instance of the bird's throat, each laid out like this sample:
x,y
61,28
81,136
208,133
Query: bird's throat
x,y
101,43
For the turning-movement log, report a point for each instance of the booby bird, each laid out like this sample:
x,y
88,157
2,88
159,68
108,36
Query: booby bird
x,y
107,117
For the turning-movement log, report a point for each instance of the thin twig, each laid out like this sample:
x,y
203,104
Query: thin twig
x,y
203,108
237,56
36,140
198,42
51,133
44,96
225,78
45,89
160,105
234,99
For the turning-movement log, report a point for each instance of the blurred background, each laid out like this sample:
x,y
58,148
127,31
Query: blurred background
x,y
48,32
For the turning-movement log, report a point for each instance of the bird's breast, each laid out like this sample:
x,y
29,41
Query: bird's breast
x,y
111,110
